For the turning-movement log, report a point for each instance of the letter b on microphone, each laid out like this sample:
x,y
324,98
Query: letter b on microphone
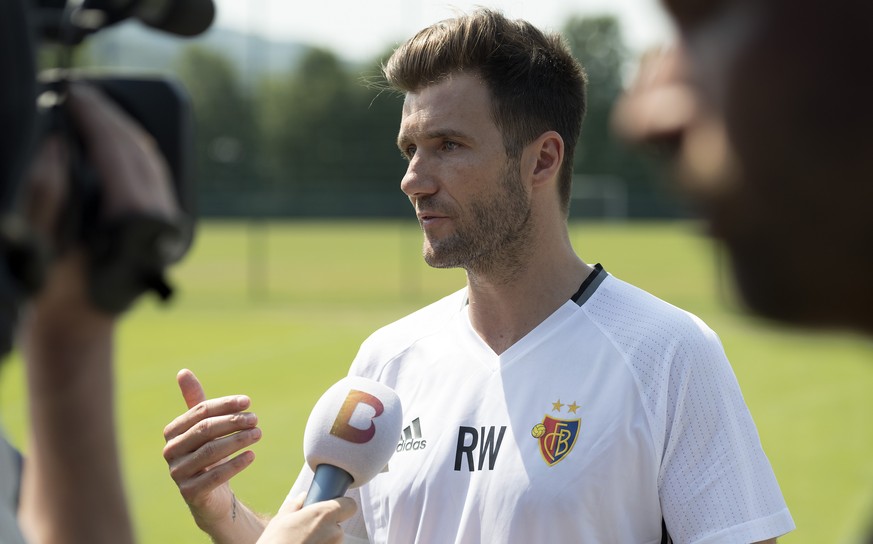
x,y
354,422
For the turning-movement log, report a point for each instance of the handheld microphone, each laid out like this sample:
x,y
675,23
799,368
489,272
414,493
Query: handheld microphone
x,y
350,436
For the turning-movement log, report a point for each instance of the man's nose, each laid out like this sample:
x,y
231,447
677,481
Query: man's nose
x,y
418,181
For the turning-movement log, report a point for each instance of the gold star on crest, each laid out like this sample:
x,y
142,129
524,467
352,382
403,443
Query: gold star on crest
x,y
556,406
572,407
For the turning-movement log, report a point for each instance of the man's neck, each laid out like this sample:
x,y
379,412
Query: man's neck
x,y
504,310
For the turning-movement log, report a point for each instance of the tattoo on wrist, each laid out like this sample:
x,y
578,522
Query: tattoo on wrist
x,y
233,507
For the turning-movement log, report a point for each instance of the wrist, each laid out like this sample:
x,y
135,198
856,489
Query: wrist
x,y
63,306
239,525
64,337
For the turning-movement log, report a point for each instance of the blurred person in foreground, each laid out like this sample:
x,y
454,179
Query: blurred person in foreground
x,y
764,108
764,111
69,487
547,401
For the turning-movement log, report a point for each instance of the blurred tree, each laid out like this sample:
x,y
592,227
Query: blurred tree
x,y
598,44
380,163
303,119
319,138
326,133
226,135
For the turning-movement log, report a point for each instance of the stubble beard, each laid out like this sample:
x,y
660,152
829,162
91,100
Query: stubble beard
x,y
494,237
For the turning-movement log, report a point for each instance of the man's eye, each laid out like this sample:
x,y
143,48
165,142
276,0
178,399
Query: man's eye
x,y
408,152
450,146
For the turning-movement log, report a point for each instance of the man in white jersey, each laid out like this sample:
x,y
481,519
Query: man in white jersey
x,y
547,401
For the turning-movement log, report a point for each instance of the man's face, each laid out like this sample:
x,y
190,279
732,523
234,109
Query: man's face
x,y
773,142
468,195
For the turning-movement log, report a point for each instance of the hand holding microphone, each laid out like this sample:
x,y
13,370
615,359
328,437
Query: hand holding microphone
x,y
318,524
350,436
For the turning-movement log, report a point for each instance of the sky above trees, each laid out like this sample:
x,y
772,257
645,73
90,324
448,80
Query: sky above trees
x,y
359,30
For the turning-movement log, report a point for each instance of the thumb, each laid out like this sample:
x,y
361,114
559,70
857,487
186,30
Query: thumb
x,y
347,508
191,389
293,504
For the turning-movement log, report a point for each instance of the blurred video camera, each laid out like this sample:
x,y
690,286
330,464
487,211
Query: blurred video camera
x,y
126,257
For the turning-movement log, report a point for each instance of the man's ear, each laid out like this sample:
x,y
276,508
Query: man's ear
x,y
547,155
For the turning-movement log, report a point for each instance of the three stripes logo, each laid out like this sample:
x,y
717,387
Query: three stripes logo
x,y
411,439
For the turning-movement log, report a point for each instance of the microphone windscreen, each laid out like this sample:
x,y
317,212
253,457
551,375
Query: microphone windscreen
x,y
355,426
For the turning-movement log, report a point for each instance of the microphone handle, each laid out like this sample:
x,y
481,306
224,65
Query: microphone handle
x,y
328,483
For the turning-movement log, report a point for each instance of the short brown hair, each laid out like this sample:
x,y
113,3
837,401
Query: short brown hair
x,y
535,82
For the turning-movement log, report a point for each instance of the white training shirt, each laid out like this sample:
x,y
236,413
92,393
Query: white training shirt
x,y
639,417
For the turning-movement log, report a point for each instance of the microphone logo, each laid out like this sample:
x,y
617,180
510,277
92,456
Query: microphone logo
x,y
354,422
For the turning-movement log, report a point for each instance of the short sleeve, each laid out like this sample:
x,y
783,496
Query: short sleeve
x,y
716,483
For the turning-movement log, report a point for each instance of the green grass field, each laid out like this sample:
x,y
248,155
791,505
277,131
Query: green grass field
x,y
277,311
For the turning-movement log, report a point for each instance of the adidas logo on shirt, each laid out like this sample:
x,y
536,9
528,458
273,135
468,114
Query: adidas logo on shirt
x,y
411,439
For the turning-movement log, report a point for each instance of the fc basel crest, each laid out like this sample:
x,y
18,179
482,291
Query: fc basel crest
x,y
556,437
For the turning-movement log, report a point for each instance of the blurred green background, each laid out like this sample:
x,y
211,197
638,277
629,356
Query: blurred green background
x,y
288,129
275,298
276,310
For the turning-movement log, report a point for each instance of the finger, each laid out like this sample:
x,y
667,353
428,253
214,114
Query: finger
x,y
204,458
192,391
298,501
347,508
208,430
205,410
292,505
334,510
201,485
134,173
95,115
